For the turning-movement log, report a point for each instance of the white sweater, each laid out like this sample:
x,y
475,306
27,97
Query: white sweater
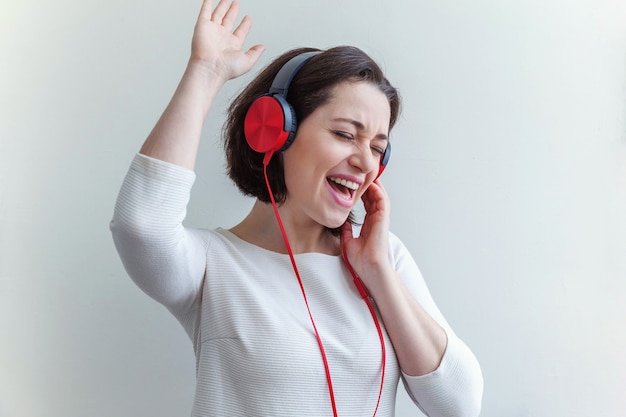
x,y
241,305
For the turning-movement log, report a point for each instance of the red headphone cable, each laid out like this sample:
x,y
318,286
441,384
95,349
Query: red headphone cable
x,y
357,282
363,291
266,160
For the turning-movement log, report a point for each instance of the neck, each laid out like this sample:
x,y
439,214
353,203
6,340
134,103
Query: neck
x,y
260,228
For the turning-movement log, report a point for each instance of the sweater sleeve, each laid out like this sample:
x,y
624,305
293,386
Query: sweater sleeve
x,y
166,260
455,388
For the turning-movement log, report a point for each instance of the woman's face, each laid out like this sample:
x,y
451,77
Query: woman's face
x,y
336,154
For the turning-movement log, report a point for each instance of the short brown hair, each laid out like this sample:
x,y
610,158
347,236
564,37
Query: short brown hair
x,y
311,88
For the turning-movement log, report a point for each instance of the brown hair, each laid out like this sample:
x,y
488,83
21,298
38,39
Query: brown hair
x,y
311,88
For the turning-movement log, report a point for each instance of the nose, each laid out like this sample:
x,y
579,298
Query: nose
x,y
364,158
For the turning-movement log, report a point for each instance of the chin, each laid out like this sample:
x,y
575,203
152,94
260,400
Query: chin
x,y
335,223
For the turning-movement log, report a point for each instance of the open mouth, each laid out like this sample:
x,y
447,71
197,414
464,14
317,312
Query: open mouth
x,y
343,186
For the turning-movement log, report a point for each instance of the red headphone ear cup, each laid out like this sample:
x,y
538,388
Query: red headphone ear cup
x,y
384,159
269,125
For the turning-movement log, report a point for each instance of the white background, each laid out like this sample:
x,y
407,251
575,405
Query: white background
x,y
508,183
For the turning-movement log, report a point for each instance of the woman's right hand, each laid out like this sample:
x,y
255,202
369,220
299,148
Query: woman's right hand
x,y
216,47
216,57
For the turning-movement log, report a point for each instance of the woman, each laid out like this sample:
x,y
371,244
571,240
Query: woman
x,y
289,312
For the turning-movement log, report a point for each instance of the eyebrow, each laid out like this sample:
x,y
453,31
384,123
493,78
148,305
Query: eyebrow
x,y
359,126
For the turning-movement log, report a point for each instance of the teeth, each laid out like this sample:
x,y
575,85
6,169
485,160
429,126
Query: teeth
x,y
348,184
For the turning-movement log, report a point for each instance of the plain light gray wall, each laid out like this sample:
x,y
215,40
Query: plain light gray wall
x,y
507,181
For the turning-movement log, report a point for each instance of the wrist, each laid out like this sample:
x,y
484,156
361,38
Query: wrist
x,y
204,74
197,90
379,275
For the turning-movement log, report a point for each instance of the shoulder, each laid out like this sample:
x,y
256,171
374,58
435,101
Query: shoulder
x,y
397,248
402,258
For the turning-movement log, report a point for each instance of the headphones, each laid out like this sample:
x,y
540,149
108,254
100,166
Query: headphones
x,y
270,123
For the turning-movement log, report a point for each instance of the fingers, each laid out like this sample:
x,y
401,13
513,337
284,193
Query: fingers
x,y
228,21
373,194
205,10
376,202
255,53
225,12
244,28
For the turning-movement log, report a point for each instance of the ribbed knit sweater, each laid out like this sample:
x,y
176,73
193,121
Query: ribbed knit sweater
x,y
242,307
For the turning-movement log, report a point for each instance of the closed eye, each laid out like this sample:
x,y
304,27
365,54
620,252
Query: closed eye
x,y
348,136
344,135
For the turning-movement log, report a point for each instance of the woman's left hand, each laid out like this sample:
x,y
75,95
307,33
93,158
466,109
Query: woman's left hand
x,y
418,340
369,253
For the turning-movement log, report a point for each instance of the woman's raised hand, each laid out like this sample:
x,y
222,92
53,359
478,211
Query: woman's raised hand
x,y
217,47
216,57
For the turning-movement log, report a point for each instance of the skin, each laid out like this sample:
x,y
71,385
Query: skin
x,y
341,138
